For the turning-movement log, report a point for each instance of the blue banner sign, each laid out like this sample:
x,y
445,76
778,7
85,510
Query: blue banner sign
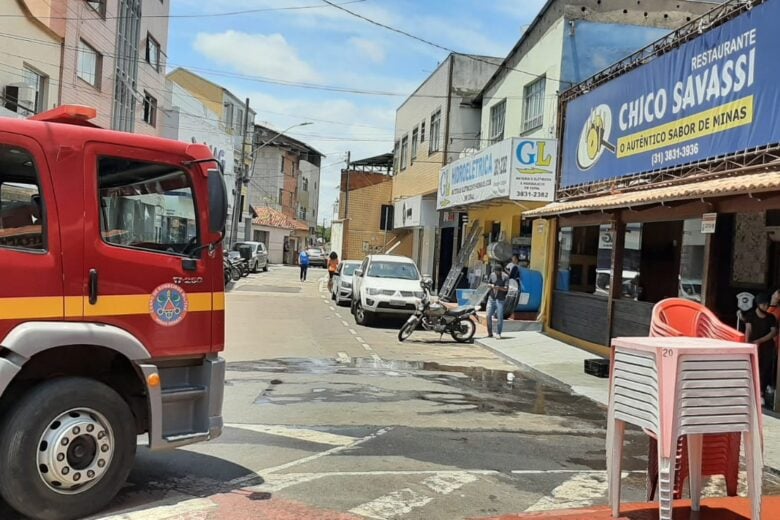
x,y
715,95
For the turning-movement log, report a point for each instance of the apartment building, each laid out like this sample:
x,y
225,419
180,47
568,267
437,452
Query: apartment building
x,y
30,56
114,58
285,176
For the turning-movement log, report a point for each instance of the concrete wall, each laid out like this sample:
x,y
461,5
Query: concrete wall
x,y
275,243
267,179
309,199
31,44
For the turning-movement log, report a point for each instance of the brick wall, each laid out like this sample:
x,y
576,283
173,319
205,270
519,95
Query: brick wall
x,y
365,209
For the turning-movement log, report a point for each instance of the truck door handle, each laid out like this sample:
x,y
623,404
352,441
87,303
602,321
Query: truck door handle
x,y
93,286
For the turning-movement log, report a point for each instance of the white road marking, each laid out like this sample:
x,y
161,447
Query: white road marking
x,y
406,500
344,323
353,332
343,358
376,357
359,339
446,483
304,460
297,433
392,505
332,308
338,315
167,511
581,490
367,347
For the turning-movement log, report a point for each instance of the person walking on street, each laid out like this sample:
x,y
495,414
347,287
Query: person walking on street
x,y
303,260
333,265
498,282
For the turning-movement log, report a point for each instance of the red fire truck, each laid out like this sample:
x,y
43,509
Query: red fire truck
x,y
111,306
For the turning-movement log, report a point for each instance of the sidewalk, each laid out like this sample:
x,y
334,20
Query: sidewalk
x,y
561,363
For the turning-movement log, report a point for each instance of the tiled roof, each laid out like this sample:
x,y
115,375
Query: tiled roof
x,y
753,183
272,218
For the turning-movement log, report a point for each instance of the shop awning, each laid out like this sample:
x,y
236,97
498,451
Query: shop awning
x,y
735,185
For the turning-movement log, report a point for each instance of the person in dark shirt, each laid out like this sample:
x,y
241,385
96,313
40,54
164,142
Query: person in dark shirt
x,y
497,297
514,269
761,330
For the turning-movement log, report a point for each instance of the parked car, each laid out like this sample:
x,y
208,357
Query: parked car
x,y
259,258
317,257
341,288
385,284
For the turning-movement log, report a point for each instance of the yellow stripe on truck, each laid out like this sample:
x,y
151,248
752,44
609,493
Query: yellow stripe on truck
x,y
39,307
45,307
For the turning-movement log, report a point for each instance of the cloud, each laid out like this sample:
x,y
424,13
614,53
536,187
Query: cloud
x,y
369,48
255,54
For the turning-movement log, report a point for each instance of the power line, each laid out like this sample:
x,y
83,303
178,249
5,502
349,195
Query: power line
x,y
209,15
433,44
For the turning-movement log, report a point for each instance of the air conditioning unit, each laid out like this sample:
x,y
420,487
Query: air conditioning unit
x,y
19,97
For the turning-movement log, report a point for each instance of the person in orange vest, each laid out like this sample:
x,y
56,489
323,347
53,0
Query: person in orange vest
x,y
333,265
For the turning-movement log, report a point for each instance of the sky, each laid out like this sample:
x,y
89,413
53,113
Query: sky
x,y
308,45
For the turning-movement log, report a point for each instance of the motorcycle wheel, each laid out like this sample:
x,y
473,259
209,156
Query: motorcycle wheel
x,y
244,270
407,329
235,273
464,330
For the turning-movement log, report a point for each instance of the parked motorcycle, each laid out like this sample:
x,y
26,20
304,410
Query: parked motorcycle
x,y
232,270
437,318
241,263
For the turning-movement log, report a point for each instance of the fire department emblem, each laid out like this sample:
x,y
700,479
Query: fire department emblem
x,y
168,305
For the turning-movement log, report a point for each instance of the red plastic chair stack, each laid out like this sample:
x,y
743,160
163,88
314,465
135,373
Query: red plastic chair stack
x,y
720,453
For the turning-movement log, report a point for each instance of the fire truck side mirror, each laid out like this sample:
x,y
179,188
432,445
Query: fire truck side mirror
x,y
218,202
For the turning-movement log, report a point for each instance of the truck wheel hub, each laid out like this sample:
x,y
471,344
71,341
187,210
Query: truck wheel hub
x,y
75,451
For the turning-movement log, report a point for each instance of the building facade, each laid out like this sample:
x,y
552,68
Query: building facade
x,y
515,168
680,196
432,127
285,176
232,114
31,56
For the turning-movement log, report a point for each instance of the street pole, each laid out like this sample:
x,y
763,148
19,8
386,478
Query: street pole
x,y
387,208
346,194
240,175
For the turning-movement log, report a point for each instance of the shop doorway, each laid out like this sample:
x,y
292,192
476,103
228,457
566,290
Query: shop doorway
x,y
660,256
445,254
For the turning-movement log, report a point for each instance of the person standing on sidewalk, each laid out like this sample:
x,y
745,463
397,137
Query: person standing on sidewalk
x,y
761,330
333,266
303,260
498,282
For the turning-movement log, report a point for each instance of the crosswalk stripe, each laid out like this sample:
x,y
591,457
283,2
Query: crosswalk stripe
x,y
302,434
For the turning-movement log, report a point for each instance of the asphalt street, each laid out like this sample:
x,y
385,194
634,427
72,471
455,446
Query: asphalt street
x,y
327,419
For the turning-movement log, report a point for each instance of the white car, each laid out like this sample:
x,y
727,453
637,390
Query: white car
x,y
385,284
341,288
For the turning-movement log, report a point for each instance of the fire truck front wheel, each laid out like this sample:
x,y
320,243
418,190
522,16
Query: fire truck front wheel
x,y
66,448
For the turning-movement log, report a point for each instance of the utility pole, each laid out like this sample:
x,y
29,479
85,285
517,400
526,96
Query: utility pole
x,y
240,176
346,194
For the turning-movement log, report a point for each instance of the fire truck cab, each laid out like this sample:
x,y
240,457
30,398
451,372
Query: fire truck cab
x,y
111,306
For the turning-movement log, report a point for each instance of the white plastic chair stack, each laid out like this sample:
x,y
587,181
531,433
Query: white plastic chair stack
x,y
673,386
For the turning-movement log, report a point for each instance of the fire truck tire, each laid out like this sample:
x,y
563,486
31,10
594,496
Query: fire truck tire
x,y
66,448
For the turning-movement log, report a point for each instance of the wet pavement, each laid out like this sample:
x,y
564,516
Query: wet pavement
x,y
325,419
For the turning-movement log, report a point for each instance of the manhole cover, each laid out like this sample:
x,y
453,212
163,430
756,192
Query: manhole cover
x,y
268,289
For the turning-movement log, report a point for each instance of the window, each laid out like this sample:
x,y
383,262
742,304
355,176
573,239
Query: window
x,y
228,115
533,105
281,196
433,145
422,132
497,118
147,206
150,109
578,259
305,183
282,169
396,149
37,82
88,65
152,52
386,217
99,6
415,134
692,260
404,151
398,270
22,223
315,185
239,123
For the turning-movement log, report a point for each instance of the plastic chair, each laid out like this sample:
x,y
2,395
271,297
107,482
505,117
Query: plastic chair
x,y
678,317
680,386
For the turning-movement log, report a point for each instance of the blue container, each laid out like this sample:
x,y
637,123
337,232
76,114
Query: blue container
x,y
532,284
463,296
